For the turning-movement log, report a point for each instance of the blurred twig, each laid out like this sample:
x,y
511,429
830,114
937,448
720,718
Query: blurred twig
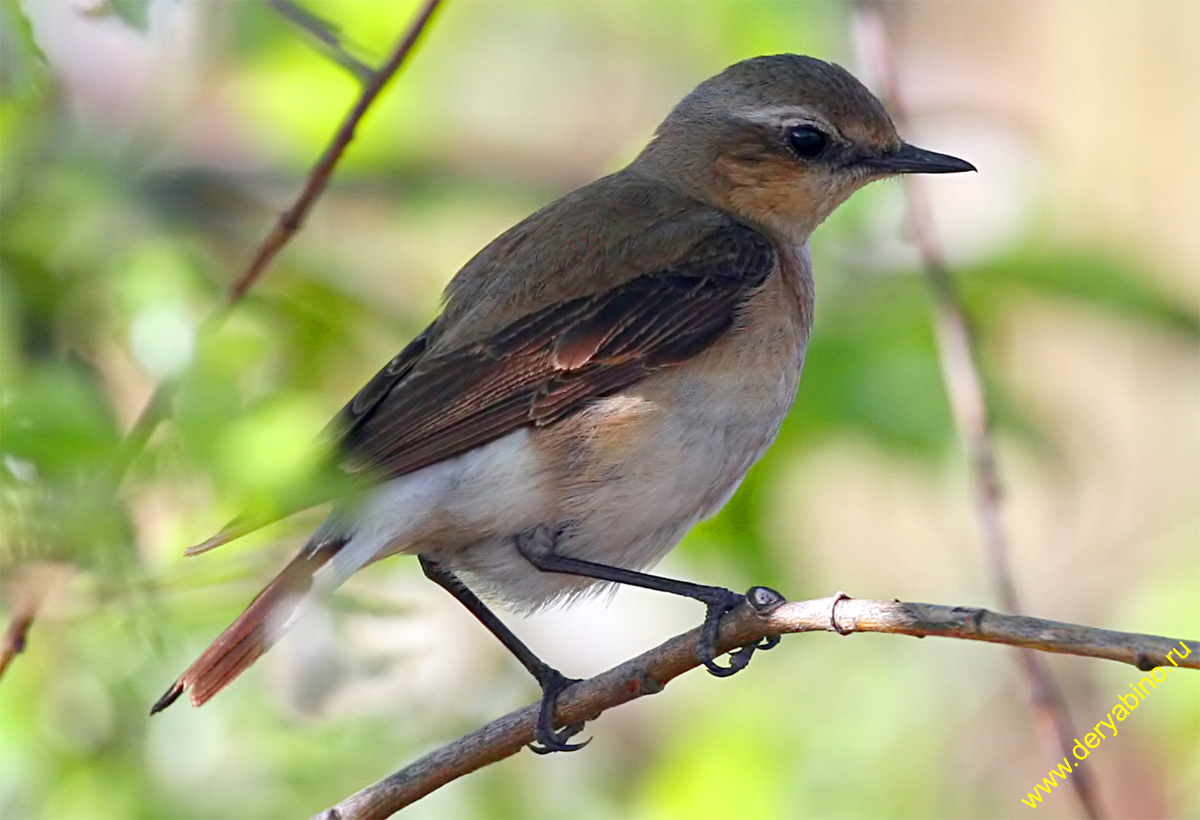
x,y
327,34
13,641
649,673
964,386
291,219
158,407
35,583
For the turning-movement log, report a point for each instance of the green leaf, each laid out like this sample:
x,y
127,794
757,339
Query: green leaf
x,y
23,67
1082,275
59,420
134,13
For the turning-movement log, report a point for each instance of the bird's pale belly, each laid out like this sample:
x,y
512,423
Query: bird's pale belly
x,y
644,466
624,478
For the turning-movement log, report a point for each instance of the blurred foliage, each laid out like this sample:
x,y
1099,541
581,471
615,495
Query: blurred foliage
x,y
118,242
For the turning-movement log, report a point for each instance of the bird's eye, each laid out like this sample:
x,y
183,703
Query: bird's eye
x,y
807,141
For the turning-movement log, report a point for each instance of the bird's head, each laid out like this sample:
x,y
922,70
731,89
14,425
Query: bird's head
x,y
781,141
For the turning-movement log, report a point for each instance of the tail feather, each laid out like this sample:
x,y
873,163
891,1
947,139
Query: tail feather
x,y
254,631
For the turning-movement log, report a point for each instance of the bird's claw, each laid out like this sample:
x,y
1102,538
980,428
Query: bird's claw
x,y
763,600
545,739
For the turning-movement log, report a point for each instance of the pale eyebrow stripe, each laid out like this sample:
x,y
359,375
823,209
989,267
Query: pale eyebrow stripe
x,y
773,114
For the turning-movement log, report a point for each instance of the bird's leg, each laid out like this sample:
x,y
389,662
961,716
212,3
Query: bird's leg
x,y
546,739
537,545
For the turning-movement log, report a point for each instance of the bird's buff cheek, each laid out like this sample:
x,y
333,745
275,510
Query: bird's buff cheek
x,y
787,201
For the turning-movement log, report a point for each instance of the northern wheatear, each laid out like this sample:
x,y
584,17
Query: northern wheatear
x,y
603,374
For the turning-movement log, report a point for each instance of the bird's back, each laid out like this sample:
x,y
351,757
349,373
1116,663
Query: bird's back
x,y
591,240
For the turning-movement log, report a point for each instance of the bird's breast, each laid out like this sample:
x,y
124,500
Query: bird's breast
x,y
627,475
737,396
648,462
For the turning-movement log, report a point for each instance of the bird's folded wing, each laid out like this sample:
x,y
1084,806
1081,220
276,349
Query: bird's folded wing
x,y
427,405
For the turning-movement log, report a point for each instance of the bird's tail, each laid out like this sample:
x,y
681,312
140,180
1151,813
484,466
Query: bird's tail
x,y
257,629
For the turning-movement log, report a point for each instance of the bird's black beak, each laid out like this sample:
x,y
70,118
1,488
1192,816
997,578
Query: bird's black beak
x,y
909,159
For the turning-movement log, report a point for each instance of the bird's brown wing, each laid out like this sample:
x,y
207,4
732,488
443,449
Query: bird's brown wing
x,y
426,406
429,404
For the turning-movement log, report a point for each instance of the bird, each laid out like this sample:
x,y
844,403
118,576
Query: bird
x,y
601,376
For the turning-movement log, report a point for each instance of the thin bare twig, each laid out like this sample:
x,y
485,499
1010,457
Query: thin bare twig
x,y
158,407
964,385
35,583
291,219
17,633
650,672
325,33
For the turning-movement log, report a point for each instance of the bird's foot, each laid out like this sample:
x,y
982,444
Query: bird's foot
x,y
545,738
762,599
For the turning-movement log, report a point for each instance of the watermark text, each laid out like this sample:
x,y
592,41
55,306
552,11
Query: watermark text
x,y
1103,730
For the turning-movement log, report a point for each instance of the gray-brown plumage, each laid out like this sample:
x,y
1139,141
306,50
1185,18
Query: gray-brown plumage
x,y
604,373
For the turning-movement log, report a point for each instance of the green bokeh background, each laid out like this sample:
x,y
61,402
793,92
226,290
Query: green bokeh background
x,y
144,150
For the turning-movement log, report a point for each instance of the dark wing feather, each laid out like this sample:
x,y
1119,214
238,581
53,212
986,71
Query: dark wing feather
x,y
428,406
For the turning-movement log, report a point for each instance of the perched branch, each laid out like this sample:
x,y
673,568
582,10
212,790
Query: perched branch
x,y
964,386
650,672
